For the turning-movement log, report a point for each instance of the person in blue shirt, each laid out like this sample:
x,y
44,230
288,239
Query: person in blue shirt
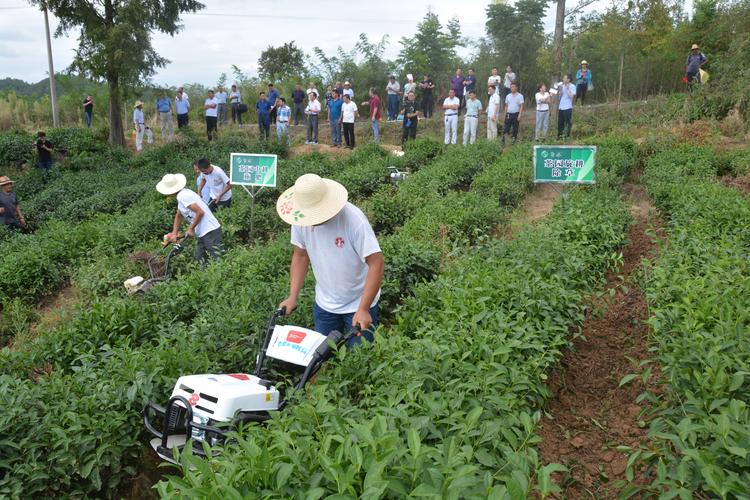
x,y
283,115
567,93
164,108
334,118
583,81
182,108
263,107
221,99
273,96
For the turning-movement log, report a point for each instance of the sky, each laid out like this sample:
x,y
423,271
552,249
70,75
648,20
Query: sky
x,y
231,32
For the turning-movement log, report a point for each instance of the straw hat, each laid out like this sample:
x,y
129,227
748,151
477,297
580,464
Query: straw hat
x,y
5,180
171,184
138,103
584,62
312,200
347,83
695,47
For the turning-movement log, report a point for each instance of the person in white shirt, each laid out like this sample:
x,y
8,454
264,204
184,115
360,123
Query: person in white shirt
x,y
221,99
567,93
348,90
450,112
336,239
349,113
184,94
409,86
513,112
312,111
542,112
211,106
393,89
235,99
311,89
139,124
493,112
471,118
509,78
216,182
203,225
495,79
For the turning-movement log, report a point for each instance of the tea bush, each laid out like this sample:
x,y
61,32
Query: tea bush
x,y
698,295
444,403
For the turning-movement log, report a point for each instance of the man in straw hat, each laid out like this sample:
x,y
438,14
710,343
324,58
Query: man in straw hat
x,y
139,124
695,61
10,214
203,224
335,238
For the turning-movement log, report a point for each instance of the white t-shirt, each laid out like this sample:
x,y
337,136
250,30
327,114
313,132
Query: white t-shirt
x,y
509,78
393,88
492,105
495,80
235,97
453,101
215,183
348,112
409,87
542,106
337,250
208,222
514,102
313,107
212,111
565,101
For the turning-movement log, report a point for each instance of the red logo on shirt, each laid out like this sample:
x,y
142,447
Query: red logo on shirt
x,y
340,242
295,337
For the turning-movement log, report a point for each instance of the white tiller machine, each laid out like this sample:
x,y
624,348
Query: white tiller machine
x,y
207,407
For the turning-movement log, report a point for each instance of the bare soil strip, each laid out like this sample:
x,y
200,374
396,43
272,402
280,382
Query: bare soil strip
x,y
740,183
589,415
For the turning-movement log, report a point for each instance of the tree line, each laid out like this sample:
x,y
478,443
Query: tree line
x,y
634,49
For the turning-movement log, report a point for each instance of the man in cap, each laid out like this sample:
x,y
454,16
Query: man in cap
x,y
139,124
693,64
10,213
336,238
190,207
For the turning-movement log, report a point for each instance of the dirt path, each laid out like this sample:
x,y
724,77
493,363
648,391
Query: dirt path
x,y
740,183
540,201
52,311
589,415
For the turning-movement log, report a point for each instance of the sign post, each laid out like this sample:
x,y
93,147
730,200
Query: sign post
x,y
253,171
564,164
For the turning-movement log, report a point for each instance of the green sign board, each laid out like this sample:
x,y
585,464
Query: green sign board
x,y
564,164
247,169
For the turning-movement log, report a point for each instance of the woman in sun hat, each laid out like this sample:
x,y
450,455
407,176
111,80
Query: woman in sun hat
x,y
695,61
203,224
336,238
583,81
10,214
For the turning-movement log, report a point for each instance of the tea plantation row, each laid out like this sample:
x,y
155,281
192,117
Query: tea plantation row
x,y
444,404
699,295
75,396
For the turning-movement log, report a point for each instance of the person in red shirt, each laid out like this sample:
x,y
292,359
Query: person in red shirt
x,y
374,104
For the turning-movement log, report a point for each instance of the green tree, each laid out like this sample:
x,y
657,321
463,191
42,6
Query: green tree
x,y
516,34
432,49
277,64
115,41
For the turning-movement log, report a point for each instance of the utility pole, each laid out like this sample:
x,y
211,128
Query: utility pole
x,y
52,85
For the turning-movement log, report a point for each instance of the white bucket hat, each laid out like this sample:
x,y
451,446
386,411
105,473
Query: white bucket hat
x,y
171,184
311,201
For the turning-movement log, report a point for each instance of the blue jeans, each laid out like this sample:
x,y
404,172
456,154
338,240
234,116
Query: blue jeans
x,y
264,123
282,132
45,165
326,322
375,131
336,132
392,106
89,117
